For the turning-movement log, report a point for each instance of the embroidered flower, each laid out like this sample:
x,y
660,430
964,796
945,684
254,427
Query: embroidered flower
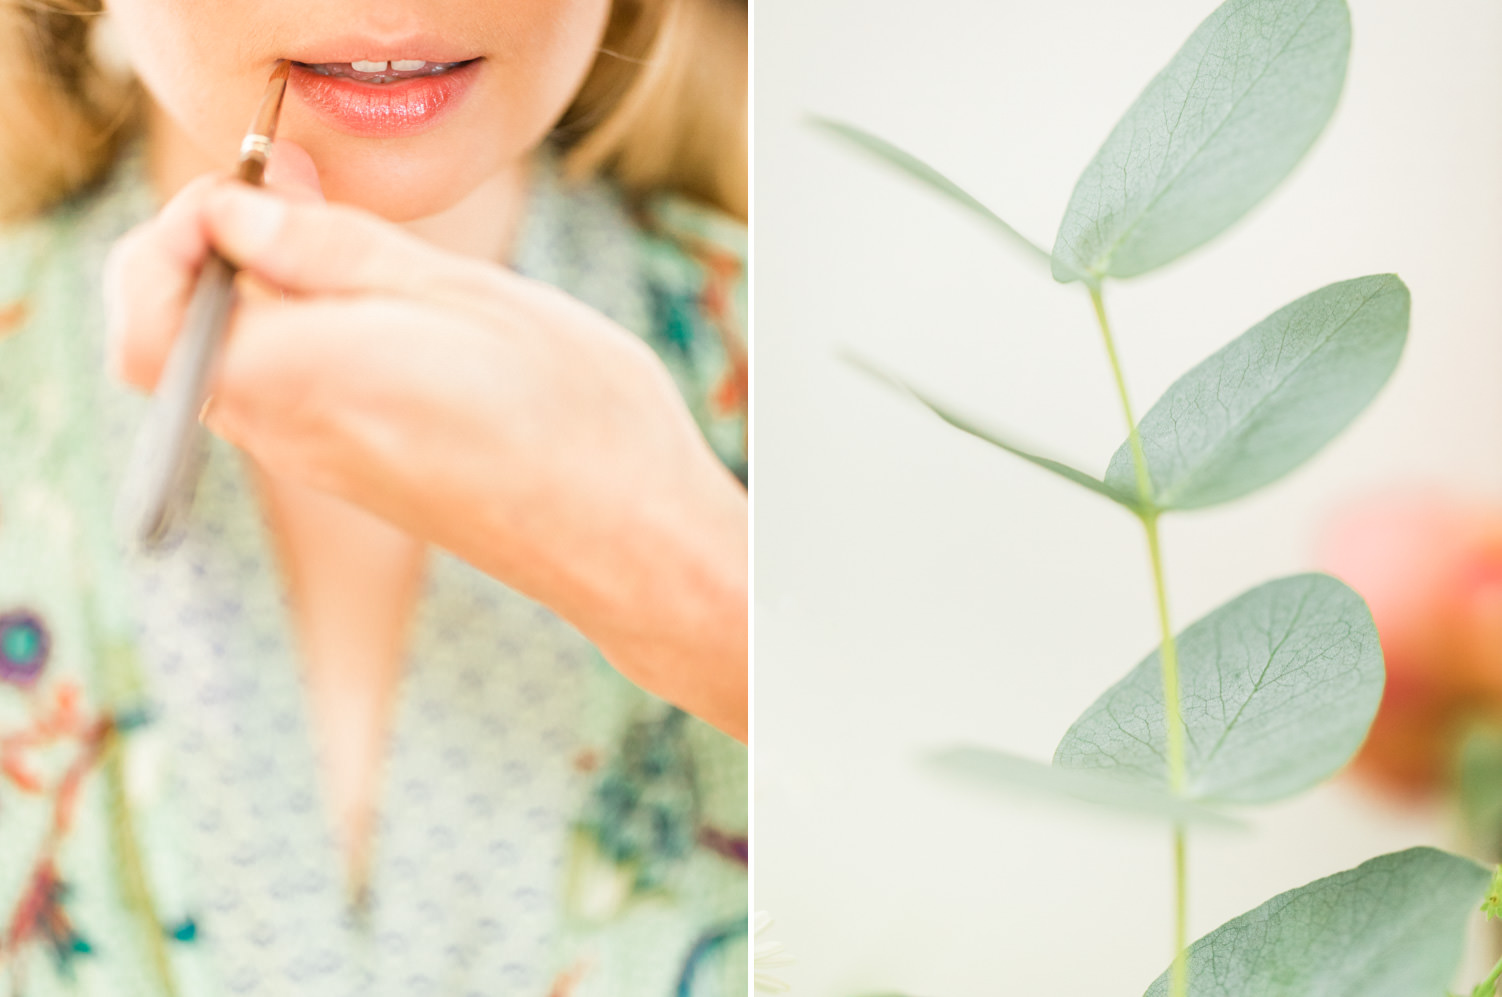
x,y
715,957
41,917
735,847
24,647
642,821
28,762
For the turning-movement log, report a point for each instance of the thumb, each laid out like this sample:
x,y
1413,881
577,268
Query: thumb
x,y
305,245
291,170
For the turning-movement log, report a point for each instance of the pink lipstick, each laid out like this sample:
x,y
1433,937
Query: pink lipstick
x,y
386,98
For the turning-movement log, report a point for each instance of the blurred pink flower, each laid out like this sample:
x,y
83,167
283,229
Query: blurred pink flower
x,y
1430,567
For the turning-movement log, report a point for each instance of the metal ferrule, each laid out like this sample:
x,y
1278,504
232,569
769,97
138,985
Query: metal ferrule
x,y
255,145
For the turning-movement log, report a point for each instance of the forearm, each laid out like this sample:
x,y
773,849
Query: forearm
x,y
680,627
660,585
656,575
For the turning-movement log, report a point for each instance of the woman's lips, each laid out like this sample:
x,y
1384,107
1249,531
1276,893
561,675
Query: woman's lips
x,y
383,110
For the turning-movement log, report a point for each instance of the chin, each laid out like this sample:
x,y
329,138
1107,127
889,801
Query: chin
x,y
403,180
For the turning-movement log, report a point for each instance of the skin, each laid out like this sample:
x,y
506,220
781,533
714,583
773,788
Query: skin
x,y
205,63
394,388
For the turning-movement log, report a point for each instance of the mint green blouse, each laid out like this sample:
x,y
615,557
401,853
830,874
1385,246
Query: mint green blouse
x,y
545,827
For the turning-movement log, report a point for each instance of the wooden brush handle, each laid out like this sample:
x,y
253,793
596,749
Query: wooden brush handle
x,y
169,452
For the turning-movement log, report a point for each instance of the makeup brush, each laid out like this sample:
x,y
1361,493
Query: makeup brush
x,y
169,453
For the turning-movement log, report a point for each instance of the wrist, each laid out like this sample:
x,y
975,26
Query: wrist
x,y
673,617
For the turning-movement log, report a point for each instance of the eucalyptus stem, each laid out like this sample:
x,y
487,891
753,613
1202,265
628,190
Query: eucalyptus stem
x,y
1139,459
1488,986
1177,767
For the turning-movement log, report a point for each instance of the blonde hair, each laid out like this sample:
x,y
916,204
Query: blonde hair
x,y
663,108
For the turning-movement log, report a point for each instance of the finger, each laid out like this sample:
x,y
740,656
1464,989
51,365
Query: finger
x,y
308,386
310,248
148,277
150,273
289,171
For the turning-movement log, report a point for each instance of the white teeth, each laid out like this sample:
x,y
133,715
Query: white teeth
x,y
368,67
407,65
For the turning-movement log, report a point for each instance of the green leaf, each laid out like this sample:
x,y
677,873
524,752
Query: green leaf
x,y
1213,133
915,168
1392,927
1271,398
1277,688
1127,497
1491,904
999,772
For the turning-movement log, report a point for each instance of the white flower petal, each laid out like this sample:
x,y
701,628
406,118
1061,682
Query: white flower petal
x,y
770,984
768,954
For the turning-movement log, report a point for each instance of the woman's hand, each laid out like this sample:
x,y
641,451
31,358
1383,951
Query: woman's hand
x,y
491,415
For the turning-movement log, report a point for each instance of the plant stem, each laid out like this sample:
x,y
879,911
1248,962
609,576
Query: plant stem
x,y
1488,986
1139,459
1180,981
1168,654
1177,767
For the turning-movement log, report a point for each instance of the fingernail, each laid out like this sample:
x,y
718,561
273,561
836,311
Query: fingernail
x,y
211,418
248,220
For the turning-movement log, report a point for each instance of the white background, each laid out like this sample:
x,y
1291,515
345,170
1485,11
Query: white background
x,y
915,588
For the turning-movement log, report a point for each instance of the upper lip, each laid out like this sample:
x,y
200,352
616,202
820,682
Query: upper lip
x,y
428,46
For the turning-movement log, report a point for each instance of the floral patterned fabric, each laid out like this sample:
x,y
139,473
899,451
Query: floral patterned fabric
x,y
545,827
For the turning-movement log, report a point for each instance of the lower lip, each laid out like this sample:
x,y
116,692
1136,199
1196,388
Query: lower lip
x,y
384,110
